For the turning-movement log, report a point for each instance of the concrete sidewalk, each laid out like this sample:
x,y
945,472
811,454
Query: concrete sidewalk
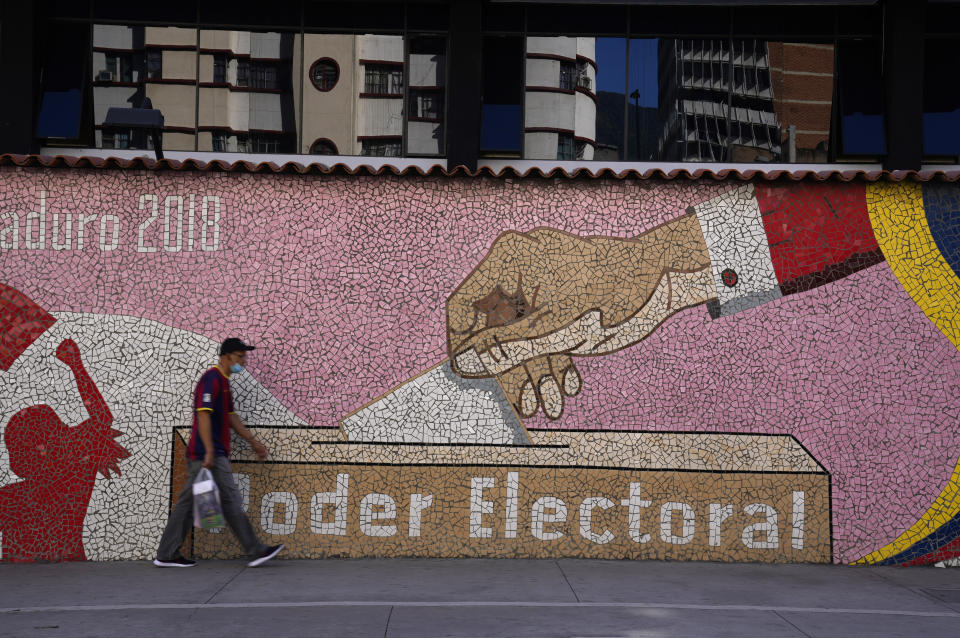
x,y
412,597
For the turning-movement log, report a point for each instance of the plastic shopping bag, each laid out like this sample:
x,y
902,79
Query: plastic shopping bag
x,y
207,511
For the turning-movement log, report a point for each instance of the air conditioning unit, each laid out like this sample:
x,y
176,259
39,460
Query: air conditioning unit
x,y
105,76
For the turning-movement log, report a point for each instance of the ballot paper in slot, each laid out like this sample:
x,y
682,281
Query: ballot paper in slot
x,y
438,406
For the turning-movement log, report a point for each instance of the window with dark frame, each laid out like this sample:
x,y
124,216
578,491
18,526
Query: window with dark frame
x,y
763,80
565,147
568,75
125,139
583,79
324,147
324,73
154,64
109,74
425,72
430,106
426,104
581,149
119,67
379,147
264,143
243,72
264,75
383,79
220,68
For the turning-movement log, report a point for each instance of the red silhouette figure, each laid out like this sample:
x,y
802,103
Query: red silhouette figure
x,y
42,516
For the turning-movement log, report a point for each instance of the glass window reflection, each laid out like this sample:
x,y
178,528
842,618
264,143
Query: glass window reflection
x,y
544,98
353,95
777,107
145,67
611,77
802,79
426,94
861,99
941,99
63,86
383,78
328,109
707,117
226,90
324,74
502,120
678,100
246,94
643,122
379,124
560,103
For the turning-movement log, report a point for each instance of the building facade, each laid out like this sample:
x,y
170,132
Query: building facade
x,y
801,76
717,102
220,91
560,108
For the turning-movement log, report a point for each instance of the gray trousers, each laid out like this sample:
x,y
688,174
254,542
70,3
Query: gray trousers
x,y
181,517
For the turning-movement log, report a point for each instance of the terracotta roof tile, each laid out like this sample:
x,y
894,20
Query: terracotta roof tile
x,y
140,163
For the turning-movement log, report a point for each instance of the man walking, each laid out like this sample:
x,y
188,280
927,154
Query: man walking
x,y
209,448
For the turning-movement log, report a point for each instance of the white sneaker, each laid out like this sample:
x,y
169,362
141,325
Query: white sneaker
x,y
267,554
179,561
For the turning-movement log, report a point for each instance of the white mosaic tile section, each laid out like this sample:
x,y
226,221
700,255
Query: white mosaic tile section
x,y
146,372
736,239
438,407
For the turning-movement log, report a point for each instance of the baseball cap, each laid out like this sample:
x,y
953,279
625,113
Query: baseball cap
x,y
232,345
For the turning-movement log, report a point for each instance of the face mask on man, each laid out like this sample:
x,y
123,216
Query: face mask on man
x,y
236,368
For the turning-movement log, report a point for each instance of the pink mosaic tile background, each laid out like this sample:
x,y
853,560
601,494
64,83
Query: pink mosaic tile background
x,y
341,283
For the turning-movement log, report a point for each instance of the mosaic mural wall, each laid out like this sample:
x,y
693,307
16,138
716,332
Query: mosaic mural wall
x,y
455,366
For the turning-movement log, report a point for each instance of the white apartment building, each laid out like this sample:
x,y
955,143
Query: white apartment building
x,y
560,98
355,93
233,93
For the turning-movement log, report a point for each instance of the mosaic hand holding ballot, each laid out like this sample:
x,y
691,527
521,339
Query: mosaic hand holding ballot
x,y
539,298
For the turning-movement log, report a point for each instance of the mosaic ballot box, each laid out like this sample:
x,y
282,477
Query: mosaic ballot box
x,y
578,494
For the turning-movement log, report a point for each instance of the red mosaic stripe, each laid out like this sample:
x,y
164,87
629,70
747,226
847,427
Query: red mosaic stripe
x,y
818,232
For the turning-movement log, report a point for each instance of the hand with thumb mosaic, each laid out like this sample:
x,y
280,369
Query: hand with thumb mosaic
x,y
540,298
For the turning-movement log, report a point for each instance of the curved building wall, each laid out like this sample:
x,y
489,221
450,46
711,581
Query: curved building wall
x,y
551,110
560,109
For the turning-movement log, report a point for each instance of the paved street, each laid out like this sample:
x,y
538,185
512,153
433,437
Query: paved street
x,y
412,597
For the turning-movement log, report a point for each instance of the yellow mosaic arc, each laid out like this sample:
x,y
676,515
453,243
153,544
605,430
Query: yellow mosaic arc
x,y
900,226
